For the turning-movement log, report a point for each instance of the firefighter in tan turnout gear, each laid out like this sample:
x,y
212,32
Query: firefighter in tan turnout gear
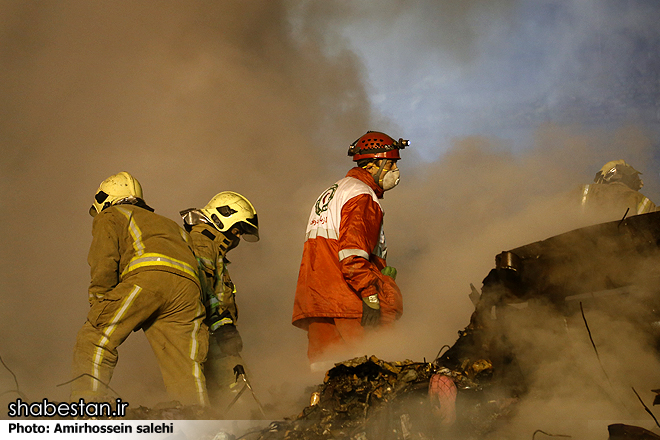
x,y
615,193
215,230
144,276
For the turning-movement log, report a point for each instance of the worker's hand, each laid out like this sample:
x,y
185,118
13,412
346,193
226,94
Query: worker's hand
x,y
228,339
370,311
389,271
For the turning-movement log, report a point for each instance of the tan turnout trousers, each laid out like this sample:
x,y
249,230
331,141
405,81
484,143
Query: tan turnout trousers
x,y
172,325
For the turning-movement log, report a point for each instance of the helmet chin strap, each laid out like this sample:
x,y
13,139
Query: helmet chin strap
x,y
229,242
378,178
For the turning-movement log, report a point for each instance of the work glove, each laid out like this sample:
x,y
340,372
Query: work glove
x,y
228,339
389,271
370,311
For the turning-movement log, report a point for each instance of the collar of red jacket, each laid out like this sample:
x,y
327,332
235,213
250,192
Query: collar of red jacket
x,y
366,177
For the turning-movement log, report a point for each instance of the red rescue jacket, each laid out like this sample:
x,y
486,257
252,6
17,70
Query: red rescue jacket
x,y
344,253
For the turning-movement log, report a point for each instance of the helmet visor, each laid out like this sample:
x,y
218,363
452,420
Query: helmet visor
x,y
249,229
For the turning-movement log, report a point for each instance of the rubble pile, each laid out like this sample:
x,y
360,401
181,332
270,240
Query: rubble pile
x,y
368,398
473,388
362,398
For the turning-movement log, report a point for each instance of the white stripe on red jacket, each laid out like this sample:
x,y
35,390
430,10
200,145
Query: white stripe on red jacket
x,y
344,253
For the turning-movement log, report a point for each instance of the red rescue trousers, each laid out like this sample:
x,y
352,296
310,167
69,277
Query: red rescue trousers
x,y
330,338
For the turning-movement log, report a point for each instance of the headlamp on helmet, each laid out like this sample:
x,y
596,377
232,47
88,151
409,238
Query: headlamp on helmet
x,y
376,145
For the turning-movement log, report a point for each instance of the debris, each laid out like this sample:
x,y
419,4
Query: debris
x,y
549,435
620,431
656,401
473,386
646,408
239,372
442,392
368,398
474,295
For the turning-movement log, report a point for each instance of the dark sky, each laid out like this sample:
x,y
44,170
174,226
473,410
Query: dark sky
x,y
263,98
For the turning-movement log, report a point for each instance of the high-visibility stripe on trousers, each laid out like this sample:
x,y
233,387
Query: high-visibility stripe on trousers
x,y
167,307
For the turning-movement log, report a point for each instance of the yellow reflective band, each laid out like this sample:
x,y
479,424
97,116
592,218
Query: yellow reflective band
x,y
184,235
644,206
585,193
225,292
220,323
134,230
98,355
197,370
154,259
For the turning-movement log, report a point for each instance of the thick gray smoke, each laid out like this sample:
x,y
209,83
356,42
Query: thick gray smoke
x,y
193,99
263,98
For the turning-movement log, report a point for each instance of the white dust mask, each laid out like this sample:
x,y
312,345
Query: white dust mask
x,y
390,180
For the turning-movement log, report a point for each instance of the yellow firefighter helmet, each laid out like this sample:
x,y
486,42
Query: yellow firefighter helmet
x,y
619,171
114,189
229,209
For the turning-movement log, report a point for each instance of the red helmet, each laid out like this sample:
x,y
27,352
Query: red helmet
x,y
376,145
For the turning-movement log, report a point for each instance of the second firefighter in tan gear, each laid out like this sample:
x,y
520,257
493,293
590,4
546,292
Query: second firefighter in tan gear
x,y
615,193
215,230
143,276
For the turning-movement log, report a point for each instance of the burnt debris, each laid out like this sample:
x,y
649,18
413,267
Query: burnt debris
x,y
474,386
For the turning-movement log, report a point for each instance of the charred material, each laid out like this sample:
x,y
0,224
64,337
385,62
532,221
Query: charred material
x,y
474,386
620,431
604,266
588,260
358,400
368,398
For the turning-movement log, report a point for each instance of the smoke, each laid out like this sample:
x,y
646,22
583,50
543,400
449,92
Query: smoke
x,y
191,98
263,98
500,68
574,389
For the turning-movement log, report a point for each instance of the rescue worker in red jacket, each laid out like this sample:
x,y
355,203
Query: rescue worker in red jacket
x,y
144,276
215,230
344,283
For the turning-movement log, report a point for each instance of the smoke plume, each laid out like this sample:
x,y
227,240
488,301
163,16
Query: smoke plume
x,y
263,98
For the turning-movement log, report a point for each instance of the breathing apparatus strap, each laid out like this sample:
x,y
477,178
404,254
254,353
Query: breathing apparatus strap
x,y
379,177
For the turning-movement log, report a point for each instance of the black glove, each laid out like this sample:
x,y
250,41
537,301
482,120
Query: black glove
x,y
370,316
228,339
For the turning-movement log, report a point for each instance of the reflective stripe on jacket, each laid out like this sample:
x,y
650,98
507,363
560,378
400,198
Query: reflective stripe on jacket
x,y
128,239
344,253
613,199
